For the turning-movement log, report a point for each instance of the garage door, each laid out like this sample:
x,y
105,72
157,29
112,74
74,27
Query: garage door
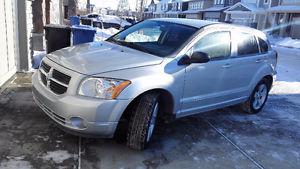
x,y
295,33
7,40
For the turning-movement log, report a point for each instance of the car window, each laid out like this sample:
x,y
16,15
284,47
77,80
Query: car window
x,y
247,44
263,45
155,37
217,45
144,35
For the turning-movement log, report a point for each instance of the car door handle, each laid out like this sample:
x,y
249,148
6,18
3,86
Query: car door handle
x,y
228,65
258,60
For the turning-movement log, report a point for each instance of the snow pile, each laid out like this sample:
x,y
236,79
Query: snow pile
x,y
58,156
114,19
285,42
37,58
15,162
103,34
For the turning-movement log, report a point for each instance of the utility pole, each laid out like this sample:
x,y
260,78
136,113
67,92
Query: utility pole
x,y
88,6
47,11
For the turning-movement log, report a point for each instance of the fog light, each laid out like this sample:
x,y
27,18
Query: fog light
x,y
77,122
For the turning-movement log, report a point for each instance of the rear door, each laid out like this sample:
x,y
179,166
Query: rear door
x,y
244,65
203,81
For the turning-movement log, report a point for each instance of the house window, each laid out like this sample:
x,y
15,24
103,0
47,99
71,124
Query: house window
x,y
219,2
66,12
266,1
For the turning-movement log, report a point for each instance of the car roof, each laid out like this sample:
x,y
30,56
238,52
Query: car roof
x,y
203,23
189,22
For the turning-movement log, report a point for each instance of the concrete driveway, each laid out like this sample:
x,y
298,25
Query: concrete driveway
x,y
225,138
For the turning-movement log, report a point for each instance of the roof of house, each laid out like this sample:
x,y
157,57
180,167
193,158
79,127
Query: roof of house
x,y
189,22
192,11
243,7
285,8
216,9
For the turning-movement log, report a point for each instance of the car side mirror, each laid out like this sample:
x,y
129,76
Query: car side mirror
x,y
199,57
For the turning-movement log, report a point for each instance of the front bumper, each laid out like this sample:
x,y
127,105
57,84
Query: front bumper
x,y
99,118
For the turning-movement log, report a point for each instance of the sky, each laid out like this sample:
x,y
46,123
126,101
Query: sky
x,y
111,3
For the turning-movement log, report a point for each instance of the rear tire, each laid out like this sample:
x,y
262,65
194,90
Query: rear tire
x,y
143,121
258,98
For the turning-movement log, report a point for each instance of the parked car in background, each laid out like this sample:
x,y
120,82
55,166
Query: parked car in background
x,y
155,69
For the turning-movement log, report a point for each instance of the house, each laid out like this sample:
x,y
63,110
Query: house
x,y
249,13
195,8
284,18
216,12
161,8
177,7
150,10
16,26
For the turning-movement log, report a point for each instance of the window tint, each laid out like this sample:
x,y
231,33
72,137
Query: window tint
x,y
217,45
247,44
263,45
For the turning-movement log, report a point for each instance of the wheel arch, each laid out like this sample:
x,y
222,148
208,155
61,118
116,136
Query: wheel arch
x,y
166,108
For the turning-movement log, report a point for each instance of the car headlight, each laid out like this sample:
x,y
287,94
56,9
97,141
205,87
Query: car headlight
x,y
104,88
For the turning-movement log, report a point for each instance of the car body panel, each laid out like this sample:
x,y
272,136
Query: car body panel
x,y
98,57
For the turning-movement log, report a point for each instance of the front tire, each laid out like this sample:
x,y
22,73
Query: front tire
x,y
143,121
258,98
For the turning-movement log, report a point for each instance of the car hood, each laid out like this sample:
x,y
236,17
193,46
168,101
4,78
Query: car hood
x,y
99,57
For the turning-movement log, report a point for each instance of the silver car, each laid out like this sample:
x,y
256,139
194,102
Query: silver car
x,y
158,68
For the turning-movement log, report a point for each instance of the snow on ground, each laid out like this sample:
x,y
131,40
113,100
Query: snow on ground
x,y
288,74
285,42
37,58
58,156
15,162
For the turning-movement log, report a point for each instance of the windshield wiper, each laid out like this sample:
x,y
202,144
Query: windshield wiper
x,y
114,41
137,47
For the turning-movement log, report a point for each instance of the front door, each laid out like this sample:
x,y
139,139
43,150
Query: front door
x,y
203,81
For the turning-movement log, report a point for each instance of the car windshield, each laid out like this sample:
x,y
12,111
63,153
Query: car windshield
x,y
154,37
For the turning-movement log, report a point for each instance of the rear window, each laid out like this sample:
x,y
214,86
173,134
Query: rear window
x,y
264,47
247,44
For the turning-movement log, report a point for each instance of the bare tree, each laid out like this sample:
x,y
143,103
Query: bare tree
x,y
73,6
37,16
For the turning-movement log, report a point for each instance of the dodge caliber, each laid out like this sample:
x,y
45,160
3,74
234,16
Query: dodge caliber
x,y
156,69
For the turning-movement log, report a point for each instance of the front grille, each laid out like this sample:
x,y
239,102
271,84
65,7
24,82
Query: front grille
x,y
45,67
57,88
61,77
53,79
43,78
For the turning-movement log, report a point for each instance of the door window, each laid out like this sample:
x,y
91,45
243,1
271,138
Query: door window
x,y
263,45
247,44
217,45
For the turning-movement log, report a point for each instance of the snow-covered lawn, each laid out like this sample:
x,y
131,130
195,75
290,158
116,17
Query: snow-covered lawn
x,y
285,42
288,73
